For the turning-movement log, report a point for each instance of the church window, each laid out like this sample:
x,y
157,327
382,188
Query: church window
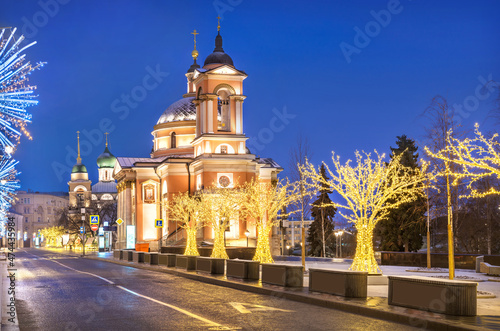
x,y
223,149
173,140
107,197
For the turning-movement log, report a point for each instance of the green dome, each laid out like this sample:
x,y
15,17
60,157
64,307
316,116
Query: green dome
x,y
106,159
79,168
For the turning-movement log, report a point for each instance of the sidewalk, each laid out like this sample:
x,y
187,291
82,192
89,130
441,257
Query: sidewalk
x,y
488,311
9,322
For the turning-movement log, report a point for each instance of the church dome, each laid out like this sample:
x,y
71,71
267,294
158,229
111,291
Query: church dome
x,y
106,159
218,56
79,168
181,110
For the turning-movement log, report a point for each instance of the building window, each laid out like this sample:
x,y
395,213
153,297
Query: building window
x,y
173,140
223,149
39,219
26,220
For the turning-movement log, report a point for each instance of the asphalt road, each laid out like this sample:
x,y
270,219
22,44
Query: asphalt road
x,y
60,292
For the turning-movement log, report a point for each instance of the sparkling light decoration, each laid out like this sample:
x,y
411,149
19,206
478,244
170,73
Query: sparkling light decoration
x,y
15,93
478,158
185,209
261,203
8,183
219,206
370,188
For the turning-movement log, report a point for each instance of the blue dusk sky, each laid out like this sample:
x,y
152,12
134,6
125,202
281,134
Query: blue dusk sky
x,y
348,75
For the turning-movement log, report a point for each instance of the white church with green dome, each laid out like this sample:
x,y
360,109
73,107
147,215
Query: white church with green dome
x,y
81,190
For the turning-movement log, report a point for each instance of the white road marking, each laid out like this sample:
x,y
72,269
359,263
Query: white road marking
x,y
209,322
247,308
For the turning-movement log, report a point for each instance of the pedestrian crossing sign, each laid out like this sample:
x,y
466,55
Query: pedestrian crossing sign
x,y
94,219
159,223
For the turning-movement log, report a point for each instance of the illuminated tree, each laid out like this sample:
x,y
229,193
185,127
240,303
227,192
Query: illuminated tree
x,y
185,209
52,234
261,203
219,206
369,189
477,158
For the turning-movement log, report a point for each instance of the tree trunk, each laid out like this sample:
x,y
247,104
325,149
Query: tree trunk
x,y
323,231
191,248
451,254
364,259
219,250
263,250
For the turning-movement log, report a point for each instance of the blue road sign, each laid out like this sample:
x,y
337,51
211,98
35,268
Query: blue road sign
x,y
81,229
94,219
159,223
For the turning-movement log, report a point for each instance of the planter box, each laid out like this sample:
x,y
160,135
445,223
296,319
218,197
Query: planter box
x,y
138,257
118,254
351,284
451,297
151,258
128,255
167,259
245,269
187,262
489,269
283,274
210,265
479,259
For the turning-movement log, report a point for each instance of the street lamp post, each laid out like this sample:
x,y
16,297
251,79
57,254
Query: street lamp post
x,y
288,249
338,236
82,211
247,233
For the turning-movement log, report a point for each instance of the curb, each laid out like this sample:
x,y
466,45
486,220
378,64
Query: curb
x,y
5,324
294,295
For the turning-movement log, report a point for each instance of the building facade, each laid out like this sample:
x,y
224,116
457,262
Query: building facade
x,y
198,142
38,210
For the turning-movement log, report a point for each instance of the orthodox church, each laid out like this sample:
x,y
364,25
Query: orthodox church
x,y
199,141
81,190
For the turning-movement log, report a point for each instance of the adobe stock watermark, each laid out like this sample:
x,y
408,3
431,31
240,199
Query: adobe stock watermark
x,y
485,88
372,29
49,9
277,124
89,139
222,6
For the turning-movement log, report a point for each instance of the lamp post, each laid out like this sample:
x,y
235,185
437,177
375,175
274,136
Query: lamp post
x,y
82,211
247,233
288,249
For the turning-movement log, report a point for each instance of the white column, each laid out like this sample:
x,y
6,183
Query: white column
x,y
238,117
210,115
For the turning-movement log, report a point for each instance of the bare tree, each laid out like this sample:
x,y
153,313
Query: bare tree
x,y
299,155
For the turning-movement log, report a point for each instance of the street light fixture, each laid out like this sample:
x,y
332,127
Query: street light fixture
x,y
288,249
247,233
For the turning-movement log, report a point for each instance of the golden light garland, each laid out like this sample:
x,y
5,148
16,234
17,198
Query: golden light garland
x,y
184,209
371,189
478,158
261,203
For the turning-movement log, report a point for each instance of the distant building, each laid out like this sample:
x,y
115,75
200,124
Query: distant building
x,y
39,210
292,231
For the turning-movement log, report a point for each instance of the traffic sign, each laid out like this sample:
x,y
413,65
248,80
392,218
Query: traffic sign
x,y
94,227
159,223
81,229
94,219
119,221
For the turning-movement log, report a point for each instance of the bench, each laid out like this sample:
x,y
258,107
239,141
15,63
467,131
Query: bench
x,y
118,254
451,297
283,274
151,258
244,269
167,259
210,265
187,262
489,269
138,257
346,283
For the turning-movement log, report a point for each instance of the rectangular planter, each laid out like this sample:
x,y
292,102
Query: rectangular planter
x,y
187,262
151,258
451,297
283,274
118,254
350,284
167,259
138,257
245,269
128,255
210,264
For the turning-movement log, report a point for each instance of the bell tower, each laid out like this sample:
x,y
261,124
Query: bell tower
x,y
219,99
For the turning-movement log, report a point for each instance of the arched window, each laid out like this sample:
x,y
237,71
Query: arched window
x,y
173,140
223,111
